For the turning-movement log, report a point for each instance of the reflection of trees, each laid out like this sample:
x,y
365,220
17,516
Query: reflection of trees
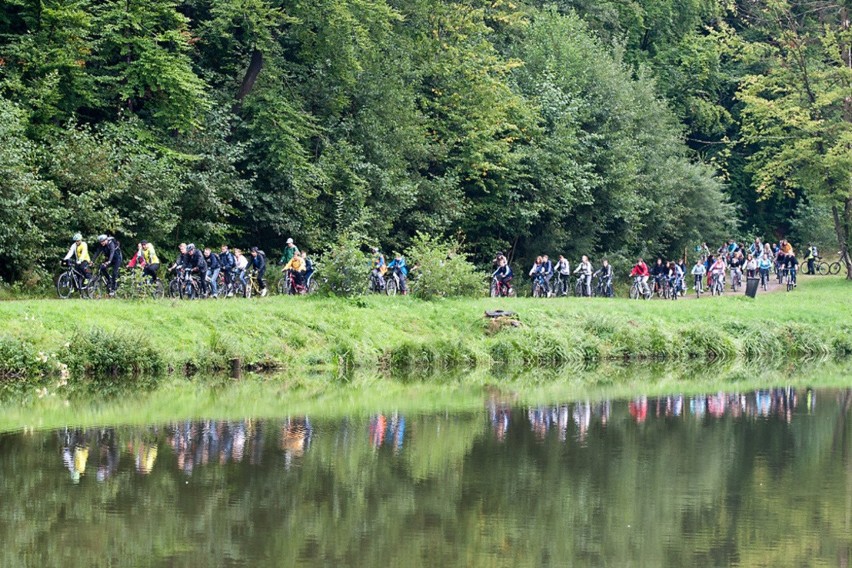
x,y
568,484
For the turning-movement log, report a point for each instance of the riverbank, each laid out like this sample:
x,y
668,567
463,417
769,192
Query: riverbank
x,y
339,335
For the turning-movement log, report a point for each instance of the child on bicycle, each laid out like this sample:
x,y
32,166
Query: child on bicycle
x,y
698,272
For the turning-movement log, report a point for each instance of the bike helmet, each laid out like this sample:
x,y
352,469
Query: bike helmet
x,y
77,237
190,246
102,238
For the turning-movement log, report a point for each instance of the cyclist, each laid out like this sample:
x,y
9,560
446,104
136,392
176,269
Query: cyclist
x,y
717,270
811,257
562,271
290,251
181,259
751,266
111,250
214,266
793,266
240,266
659,272
495,262
640,273
764,265
755,248
379,267
604,275
227,264
547,268
675,275
296,268
309,269
698,272
398,266
152,261
585,270
536,269
197,265
736,267
786,247
503,275
257,261
79,251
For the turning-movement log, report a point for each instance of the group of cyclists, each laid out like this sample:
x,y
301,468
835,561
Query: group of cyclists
x,y
212,274
666,278
225,273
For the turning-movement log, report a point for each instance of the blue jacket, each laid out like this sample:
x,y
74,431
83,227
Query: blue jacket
x,y
398,265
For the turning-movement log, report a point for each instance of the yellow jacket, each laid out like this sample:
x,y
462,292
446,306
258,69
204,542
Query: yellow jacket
x,y
296,263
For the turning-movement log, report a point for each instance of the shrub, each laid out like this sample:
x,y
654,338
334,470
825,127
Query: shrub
x,y
18,359
103,353
442,269
345,268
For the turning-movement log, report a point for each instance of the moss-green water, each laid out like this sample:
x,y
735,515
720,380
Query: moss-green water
x,y
336,334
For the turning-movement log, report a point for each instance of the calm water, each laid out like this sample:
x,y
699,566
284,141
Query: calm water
x,y
754,479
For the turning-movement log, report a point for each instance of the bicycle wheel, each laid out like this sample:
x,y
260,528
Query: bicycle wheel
x,y
157,290
834,268
492,291
64,285
281,286
634,292
174,288
97,289
391,287
312,287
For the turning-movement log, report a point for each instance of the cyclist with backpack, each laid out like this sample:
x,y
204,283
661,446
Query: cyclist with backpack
x,y
110,248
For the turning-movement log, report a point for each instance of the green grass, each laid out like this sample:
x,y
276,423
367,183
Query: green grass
x,y
404,335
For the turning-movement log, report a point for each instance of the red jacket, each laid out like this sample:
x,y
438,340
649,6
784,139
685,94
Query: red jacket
x,y
640,269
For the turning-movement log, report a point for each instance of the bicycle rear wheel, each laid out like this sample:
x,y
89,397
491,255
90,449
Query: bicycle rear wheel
x,y
834,268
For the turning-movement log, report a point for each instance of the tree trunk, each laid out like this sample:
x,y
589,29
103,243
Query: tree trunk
x,y
841,228
255,65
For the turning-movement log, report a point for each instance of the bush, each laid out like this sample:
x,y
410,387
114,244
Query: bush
x,y
345,268
18,359
102,353
442,269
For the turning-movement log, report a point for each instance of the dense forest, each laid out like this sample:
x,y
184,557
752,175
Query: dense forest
x,y
579,126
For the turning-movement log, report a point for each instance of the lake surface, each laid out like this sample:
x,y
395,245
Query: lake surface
x,y
758,478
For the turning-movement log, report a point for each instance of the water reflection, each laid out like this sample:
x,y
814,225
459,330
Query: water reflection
x,y
679,480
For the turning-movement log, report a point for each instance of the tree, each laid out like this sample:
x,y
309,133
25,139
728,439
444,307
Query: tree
x,y
798,113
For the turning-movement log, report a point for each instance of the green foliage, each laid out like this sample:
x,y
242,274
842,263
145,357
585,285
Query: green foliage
x,y
101,353
345,267
19,359
442,269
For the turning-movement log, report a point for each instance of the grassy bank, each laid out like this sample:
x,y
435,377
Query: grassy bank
x,y
402,334
326,396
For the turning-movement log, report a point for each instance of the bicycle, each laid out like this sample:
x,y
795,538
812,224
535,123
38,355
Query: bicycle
x,y
184,285
791,279
540,287
736,279
376,285
501,289
764,279
699,285
640,290
287,284
252,287
603,288
71,281
393,284
717,285
560,287
580,287
824,268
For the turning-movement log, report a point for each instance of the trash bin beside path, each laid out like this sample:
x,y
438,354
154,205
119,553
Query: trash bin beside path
x,y
751,287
